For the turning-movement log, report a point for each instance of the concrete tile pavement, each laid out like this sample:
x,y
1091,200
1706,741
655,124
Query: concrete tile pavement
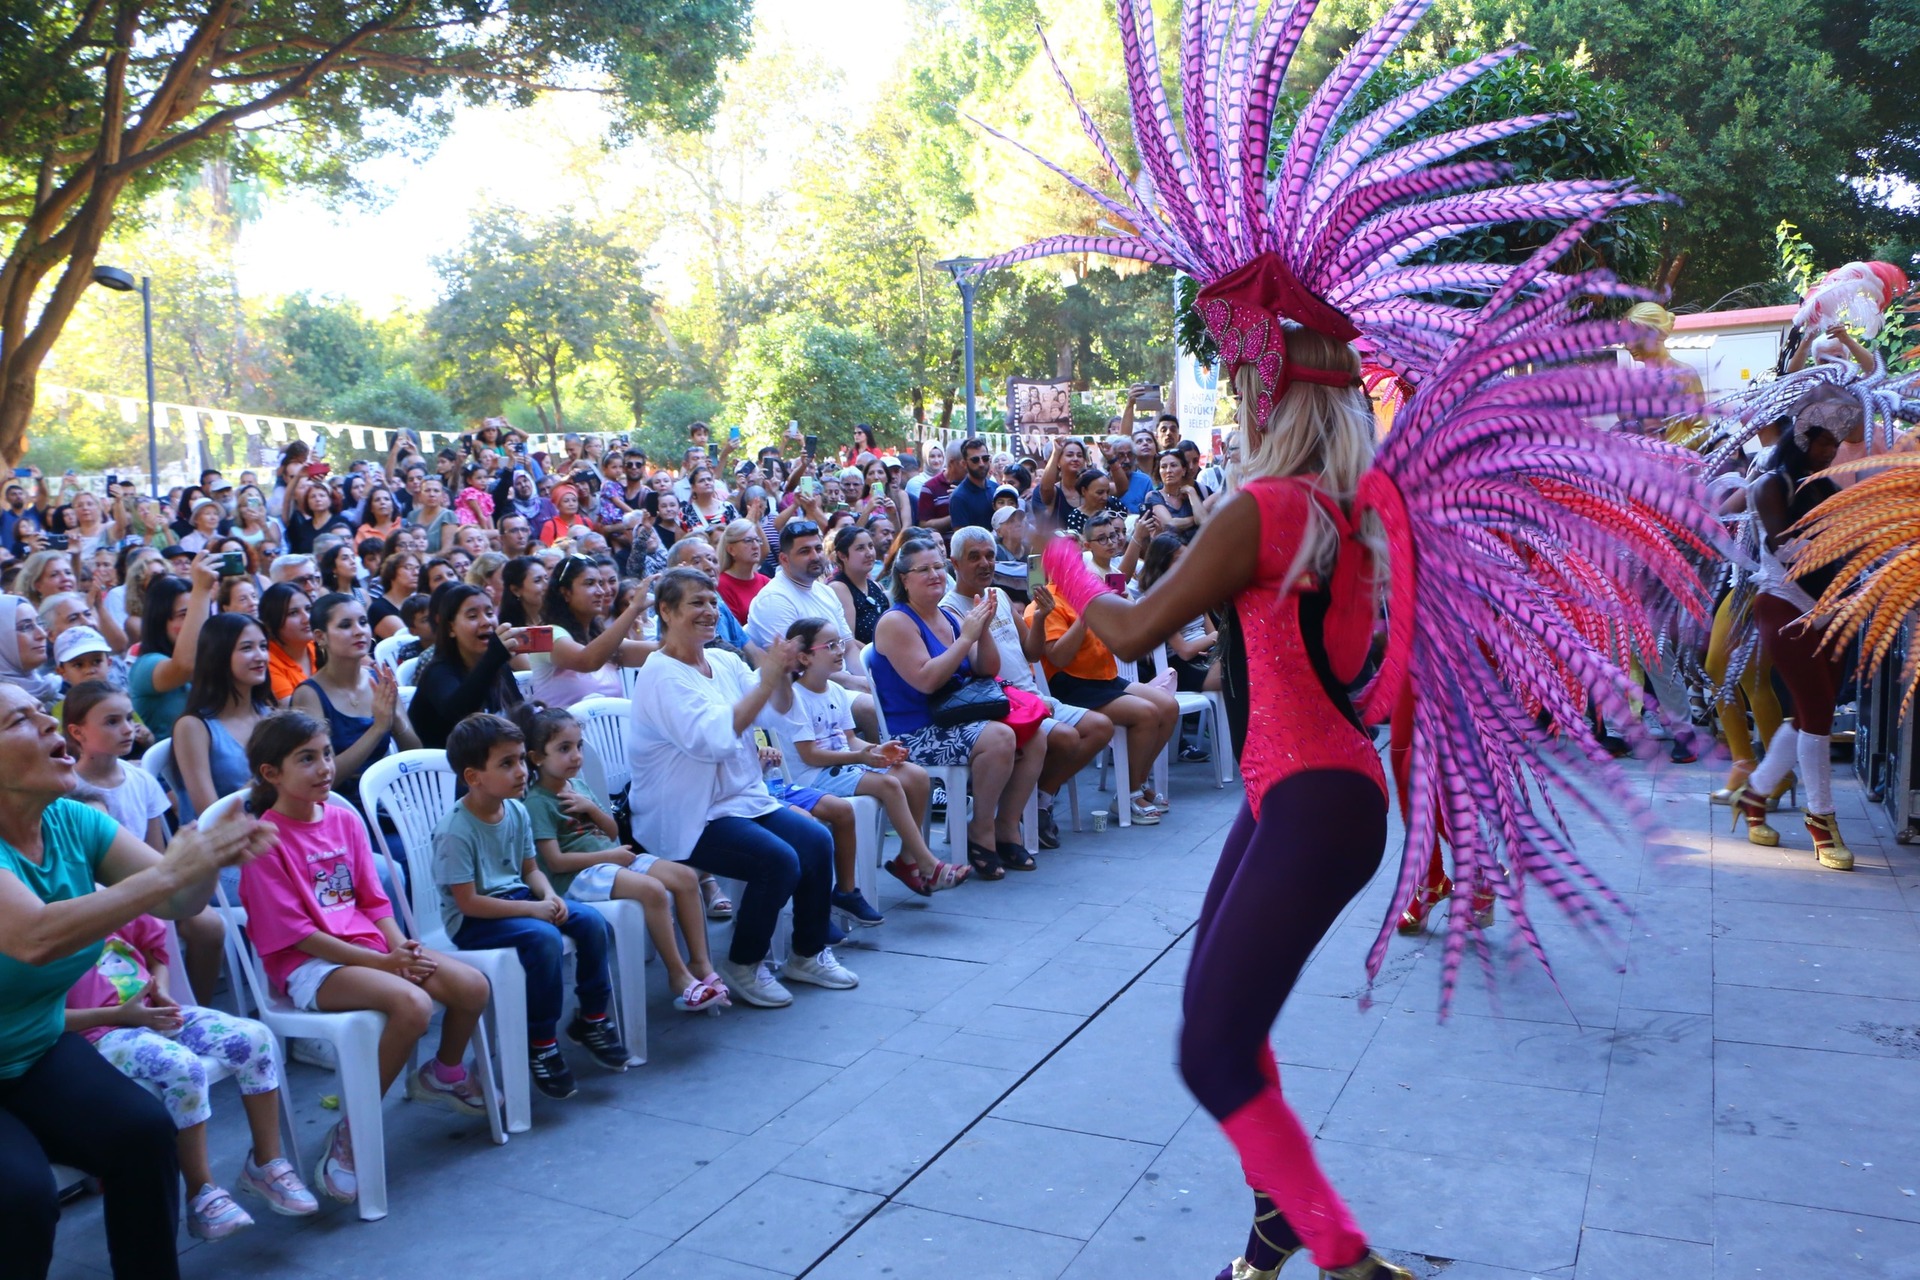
x,y
1721,1089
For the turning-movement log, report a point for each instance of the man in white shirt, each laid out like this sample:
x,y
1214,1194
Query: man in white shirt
x,y
799,590
1075,736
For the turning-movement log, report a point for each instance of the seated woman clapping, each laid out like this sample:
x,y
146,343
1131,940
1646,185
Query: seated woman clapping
x,y
921,651
693,708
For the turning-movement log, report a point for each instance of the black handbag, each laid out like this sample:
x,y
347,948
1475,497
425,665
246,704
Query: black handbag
x,y
968,701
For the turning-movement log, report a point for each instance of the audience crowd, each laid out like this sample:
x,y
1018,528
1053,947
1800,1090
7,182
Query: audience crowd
x,y
792,632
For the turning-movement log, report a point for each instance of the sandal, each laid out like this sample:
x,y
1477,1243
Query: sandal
x,y
908,873
719,905
985,862
949,875
1014,856
703,995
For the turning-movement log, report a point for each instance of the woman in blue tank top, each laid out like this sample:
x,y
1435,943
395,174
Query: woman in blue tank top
x,y
920,651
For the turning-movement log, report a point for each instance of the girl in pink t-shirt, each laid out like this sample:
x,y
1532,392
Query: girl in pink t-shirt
x,y
326,933
123,1006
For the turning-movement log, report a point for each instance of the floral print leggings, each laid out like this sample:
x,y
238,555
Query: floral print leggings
x,y
170,1066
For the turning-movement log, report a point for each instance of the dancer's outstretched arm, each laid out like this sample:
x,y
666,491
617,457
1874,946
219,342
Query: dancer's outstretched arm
x,y
1218,564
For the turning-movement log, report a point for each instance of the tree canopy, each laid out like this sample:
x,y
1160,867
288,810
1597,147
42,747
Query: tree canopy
x,y
101,103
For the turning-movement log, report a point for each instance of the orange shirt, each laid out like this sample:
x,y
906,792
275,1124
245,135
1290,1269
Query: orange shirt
x,y
283,673
1093,662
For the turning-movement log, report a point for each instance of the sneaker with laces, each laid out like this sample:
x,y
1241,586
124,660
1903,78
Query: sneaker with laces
x,y
754,983
276,1183
854,905
334,1174
463,1096
212,1214
819,970
551,1075
1049,831
937,802
601,1038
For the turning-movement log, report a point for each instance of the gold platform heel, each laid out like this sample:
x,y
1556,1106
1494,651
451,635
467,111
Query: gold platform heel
x,y
1753,808
1833,851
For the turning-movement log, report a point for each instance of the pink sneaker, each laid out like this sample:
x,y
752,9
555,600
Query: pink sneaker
x,y
463,1096
212,1214
334,1174
277,1184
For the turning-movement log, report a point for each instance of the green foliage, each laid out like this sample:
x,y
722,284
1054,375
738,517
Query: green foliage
x,y
1796,274
396,399
326,349
670,409
532,303
825,375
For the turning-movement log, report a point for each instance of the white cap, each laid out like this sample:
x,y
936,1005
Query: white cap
x,y
75,641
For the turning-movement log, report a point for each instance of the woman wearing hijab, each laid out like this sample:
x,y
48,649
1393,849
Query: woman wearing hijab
x,y
22,658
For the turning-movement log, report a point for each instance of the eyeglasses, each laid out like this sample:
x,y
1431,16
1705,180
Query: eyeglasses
x,y
307,579
832,646
926,568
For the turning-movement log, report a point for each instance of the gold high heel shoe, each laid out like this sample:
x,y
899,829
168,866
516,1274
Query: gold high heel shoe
x,y
1244,1270
1833,851
1371,1267
1753,808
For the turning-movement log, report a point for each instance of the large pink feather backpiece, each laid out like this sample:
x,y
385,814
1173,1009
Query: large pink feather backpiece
x,y
1514,519
1344,216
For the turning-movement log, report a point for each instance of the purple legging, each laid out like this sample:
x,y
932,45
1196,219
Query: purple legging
x,y
1281,883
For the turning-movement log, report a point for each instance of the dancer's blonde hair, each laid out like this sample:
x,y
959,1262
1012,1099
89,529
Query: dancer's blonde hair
x,y
1313,430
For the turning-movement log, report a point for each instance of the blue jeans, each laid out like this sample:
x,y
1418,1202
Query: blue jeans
x,y
782,855
539,945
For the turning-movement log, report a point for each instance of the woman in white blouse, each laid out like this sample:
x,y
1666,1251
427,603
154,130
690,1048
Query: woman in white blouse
x,y
694,710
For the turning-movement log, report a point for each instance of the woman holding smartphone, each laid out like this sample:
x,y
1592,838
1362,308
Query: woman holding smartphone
x,y
576,652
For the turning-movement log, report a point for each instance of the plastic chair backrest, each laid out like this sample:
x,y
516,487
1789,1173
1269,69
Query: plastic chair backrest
x,y
158,759
404,672
406,695
879,714
604,723
179,986
384,651
629,680
413,788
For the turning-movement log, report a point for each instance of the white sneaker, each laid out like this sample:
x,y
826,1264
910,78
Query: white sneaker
x,y
820,970
753,983
212,1214
1655,730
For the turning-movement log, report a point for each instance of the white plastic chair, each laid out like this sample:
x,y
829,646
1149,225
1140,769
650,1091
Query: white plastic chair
x,y
415,788
406,695
603,725
157,761
387,651
1073,784
404,672
1212,705
355,1038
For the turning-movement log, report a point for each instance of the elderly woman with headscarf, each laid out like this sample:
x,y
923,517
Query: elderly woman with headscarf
x,y
22,658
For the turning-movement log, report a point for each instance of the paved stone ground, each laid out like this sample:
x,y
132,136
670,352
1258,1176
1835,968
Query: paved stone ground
x,y
998,1098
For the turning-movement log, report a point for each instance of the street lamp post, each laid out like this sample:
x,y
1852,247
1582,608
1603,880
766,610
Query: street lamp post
x,y
967,282
122,282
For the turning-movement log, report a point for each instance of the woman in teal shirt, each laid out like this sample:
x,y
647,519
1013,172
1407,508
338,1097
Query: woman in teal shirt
x,y
69,876
170,622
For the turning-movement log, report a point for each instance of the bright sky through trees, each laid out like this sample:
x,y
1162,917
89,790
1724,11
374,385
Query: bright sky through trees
x,y
383,255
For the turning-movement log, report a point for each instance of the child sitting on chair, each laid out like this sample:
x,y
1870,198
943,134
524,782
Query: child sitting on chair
x,y
577,843
327,938
123,1006
493,894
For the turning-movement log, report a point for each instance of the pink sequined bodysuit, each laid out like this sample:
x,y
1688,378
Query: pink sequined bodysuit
x,y
1292,724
